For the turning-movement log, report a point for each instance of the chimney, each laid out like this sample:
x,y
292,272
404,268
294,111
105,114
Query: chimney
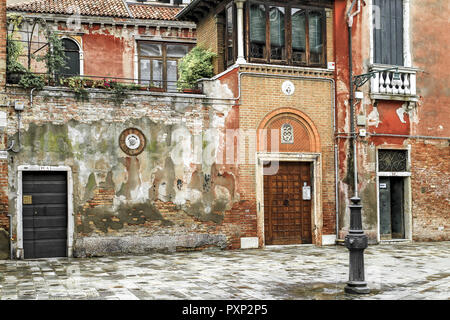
x,y
2,44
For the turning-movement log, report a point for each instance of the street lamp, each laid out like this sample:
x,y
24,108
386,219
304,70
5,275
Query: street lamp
x,y
356,241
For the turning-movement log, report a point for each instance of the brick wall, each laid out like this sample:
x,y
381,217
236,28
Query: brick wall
x,y
4,220
210,35
314,99
430,176
143,197
2,42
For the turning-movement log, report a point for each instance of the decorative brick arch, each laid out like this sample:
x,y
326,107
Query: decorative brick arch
x,y
306,136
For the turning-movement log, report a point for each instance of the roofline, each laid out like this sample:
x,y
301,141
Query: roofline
x,y
187,9
109,20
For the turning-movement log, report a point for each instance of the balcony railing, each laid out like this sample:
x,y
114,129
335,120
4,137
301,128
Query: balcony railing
x,y
107,83
384,86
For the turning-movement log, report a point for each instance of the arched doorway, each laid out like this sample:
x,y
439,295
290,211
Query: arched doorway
x,y
289,179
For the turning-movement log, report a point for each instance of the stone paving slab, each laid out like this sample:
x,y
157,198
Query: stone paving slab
x,y
407,271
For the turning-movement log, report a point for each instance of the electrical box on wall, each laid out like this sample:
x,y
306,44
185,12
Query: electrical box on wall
x,y
19,105
362,132
359,95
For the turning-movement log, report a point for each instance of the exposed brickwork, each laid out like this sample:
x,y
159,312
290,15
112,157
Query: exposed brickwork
x,y
210,35
4,220
430,174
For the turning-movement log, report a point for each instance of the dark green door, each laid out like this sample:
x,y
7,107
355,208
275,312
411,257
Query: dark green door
x,y
391,195
385,208
44,214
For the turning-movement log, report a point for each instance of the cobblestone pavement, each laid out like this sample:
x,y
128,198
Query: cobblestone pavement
x,y
394,271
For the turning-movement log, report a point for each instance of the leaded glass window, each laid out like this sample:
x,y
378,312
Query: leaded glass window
x,y
392,160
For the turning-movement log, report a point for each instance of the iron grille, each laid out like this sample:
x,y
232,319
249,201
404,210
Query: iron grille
x,y
392,160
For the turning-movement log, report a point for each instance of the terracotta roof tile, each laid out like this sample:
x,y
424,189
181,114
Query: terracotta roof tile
x,y
152,12
104,8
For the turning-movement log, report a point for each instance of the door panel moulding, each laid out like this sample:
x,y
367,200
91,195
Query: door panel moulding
x,y
316,189
19,213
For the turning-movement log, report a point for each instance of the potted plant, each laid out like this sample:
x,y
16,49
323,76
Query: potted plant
x,y
195,65
14,69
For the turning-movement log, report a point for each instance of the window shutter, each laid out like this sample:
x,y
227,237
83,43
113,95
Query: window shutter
x,y
388,39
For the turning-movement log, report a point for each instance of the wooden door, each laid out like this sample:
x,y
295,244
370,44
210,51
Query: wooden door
x,y
287,216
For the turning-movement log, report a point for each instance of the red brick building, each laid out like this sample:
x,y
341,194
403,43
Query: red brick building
x,y
400,119
262,156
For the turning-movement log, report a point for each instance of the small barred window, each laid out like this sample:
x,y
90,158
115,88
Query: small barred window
x,y
392,160
287,133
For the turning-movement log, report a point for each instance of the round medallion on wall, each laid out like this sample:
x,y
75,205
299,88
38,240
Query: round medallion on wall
x,y
288,88
132,141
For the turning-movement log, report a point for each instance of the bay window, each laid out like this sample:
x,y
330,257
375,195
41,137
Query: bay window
x,y
285,34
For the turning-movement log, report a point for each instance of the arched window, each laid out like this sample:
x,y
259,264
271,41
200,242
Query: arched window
x,y
72,52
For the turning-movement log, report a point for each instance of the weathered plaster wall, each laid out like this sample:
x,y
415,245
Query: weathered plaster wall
x,y
430,53
428,117
124,204
108,49
4,220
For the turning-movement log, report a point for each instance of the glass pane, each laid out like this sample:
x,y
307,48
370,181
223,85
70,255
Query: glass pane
x,y
298,35
277,48
315,37
157,73
172,75
257,31
177,50
230,21
150,49
229,35
144,72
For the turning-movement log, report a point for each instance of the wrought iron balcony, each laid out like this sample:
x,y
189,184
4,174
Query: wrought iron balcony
x,y
387,85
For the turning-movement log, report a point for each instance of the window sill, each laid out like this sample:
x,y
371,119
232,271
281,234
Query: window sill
x,y
275,68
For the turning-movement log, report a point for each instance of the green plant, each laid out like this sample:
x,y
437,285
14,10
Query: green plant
x,y
77,84
119,90
31,80
55,57
195,65
14,48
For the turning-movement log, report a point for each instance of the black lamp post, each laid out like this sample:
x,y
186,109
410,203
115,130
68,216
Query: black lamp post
x,y
356,241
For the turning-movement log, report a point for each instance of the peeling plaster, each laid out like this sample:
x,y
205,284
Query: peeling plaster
x,y
373,118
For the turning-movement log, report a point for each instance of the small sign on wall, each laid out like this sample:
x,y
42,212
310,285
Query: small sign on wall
x,y
3,155
306,192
